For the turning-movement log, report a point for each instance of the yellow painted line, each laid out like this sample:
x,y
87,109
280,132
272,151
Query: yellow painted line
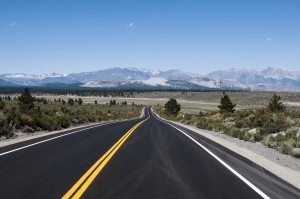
x,y
91,174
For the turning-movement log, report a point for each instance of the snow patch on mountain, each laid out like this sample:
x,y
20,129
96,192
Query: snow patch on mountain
x,y
277,73
32,76
212,83
155,81
147,71
104,84
207,82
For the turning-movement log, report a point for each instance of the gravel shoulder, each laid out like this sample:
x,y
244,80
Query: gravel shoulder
x,y
284,166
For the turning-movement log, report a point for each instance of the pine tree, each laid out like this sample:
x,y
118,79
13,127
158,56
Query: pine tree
x,y
112,102
26,101
71,101
275,105
226,104
172,107
80,102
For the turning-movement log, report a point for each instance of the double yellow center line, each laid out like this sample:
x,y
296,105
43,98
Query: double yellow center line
x,y
83,183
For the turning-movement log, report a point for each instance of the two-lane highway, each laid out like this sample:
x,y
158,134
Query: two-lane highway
x,y
141,158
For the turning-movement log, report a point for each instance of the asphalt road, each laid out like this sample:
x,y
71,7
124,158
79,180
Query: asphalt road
x,y
141,158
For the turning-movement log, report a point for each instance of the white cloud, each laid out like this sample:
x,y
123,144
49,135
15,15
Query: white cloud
x,y
130,25
269,40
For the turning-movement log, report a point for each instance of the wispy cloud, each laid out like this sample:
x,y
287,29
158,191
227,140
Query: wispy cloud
x,y
269,40
130,25
14,24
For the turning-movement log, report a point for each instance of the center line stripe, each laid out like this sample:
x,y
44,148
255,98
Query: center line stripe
x,y
83,183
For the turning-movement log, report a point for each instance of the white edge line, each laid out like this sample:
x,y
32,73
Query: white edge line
x,y
24,147
262,194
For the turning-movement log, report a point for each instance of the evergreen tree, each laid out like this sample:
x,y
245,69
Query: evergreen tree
x,y
71,102
226,104
112,102
80,102
275,105
172,107
26,101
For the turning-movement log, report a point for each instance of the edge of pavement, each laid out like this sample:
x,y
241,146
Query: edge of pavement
x,y
287,174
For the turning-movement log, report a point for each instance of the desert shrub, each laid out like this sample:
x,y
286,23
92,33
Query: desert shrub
x,y
219,127
229,121
247,137
26,120
1,105
258,137
202,123
27,129
241,135
64,109
278,138
64,120
54,116
270,127
286,148
12,114
5,126
235,133
201,113
227,130
48,123
274,124
296,152
259,118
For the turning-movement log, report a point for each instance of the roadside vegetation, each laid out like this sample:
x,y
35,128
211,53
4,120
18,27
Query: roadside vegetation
x,y
29,114
274,125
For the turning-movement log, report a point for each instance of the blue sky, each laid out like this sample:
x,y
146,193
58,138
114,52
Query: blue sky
x,y
39,36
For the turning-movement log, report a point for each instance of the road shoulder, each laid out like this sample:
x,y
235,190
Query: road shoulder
x,y
283,166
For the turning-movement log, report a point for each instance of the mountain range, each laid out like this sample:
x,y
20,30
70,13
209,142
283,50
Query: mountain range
x,y
268,79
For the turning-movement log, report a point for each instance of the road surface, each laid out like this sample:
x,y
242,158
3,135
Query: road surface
x,y
134,159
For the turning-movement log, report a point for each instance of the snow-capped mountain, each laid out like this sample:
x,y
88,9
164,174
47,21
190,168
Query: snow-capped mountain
x,y
269,79
162,83
279,74
6,83
217,83
31,79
